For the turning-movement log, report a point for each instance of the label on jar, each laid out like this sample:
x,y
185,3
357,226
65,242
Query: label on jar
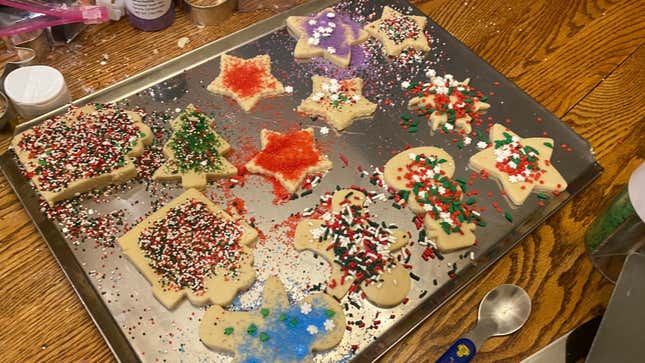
x,y
148,9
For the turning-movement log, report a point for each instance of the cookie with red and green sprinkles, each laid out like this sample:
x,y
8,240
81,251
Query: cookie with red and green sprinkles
x,y
422,177
194,152
192,248
278,331
359,250
446,103
87,148
521,165
397,32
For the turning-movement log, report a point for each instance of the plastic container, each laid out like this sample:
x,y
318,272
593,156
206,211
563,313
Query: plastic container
x,y
35,90
620,229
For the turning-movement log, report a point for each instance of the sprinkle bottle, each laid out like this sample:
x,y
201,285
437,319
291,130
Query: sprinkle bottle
x,y
150,15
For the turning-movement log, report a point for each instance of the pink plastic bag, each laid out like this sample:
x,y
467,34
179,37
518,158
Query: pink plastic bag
x,y
53,14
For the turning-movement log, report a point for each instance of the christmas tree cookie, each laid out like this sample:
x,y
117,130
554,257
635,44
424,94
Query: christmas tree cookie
x,y
247,81
327,34
278,332
194,152
192,248
423,176
522,166
289,157
339,102
89,147
398,32
358,249
447,103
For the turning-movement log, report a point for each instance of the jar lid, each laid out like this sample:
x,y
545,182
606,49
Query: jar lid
x,y
34,85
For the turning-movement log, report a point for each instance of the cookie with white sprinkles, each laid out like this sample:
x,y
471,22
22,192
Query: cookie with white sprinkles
x,y
423,177
192,248
339,102
89,147
521,165
397,31
278,331
358,249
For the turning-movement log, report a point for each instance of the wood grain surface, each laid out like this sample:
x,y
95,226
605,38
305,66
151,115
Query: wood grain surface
x,y
583,59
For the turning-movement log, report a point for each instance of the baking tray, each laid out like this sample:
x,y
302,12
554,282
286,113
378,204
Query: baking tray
x,y
137,327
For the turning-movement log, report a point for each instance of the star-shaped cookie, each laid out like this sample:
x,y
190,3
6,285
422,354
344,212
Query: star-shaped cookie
x,y
194,152
398,32
339,102
358,249
289,157
327,34
423,176
521,166
192,248
247,81
277,331
447,103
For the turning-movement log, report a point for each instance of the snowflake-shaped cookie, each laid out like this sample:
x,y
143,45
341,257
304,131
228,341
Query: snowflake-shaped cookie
x,y
278,331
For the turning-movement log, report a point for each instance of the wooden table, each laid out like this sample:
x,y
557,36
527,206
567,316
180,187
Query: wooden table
x,y
584,60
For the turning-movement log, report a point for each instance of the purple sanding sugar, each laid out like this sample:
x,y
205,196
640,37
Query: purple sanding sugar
x,y
337,37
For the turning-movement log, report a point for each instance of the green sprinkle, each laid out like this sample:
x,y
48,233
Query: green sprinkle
x,y
471,200
412,130
293,322
548,144
541,196
508,216
228,330
282,317
329,313
264,312
252,329
264,337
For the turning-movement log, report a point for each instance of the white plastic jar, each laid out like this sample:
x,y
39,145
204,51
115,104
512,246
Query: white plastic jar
x,y
36,90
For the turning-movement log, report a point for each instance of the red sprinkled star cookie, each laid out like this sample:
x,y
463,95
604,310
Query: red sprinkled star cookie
x,y
289,157
247,81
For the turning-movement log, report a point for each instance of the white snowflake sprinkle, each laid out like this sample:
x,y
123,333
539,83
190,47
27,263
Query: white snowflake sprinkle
x,y
405,85
329,325
305,308
482,144
288,89
311,329
324,130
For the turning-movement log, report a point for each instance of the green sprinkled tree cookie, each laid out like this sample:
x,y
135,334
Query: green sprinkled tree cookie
x,y
194,152
521,166
358,249
192,248
279,331
423,177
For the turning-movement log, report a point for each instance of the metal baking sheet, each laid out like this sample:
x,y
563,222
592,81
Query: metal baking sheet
x,y
137,327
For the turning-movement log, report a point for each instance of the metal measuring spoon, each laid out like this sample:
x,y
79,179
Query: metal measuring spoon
x,y
503,311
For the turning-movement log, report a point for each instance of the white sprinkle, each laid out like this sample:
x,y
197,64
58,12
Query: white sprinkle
x,y
288,89
305,308
431,73
467,140
405,85
324,130
331,15
329,325
331,50
181,42
311,329
482,145
312,22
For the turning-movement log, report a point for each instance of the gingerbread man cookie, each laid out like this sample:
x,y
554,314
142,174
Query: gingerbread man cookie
x,y
423,176
192,248
521,165
277,332
194,152
358,249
